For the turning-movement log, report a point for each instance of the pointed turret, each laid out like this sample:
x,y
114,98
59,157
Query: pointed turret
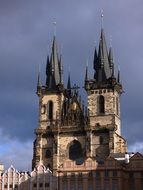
x,y
95,59
48,71
53,68
111,62
86,73
39,85
69,82
118,77
69,86
61,69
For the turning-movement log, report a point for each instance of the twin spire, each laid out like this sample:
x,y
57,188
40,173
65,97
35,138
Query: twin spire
x,y
54,68
103,65
103,61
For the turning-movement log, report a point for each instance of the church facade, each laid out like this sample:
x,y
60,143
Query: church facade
x,y
67,128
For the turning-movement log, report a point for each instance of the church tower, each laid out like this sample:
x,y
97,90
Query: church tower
x,y
50,105
103,94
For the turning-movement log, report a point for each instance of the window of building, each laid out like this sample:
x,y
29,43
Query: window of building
x,y
90,174
101,140
115,173
72,185
5,186
106,173
50,110
90,184
117,105
48,153
41,185
131,175
101,104
106,185
98,184
115,184
97,174
35,185
75,150
80,185
132,184
46,184
16,186
65,185
10,186
110,163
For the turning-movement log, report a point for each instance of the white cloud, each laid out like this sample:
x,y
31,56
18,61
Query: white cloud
x,y
16,153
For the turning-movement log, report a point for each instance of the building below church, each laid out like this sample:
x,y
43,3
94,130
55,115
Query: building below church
x,y
123,173
1,168
79,147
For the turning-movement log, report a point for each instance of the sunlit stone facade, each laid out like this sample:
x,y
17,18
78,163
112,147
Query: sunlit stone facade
x,y
123,173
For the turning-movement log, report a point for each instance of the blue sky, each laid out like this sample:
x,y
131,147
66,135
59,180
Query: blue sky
x,y
26,32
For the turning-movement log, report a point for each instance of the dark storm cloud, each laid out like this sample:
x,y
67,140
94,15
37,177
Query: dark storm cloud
x,y
26,32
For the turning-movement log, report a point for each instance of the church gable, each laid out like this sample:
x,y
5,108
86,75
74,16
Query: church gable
x,y
73,111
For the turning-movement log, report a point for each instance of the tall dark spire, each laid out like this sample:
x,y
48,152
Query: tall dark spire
x,y
53,68
104,54
101,65
55,61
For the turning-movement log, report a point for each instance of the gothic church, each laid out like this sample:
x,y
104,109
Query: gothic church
x,y
70,131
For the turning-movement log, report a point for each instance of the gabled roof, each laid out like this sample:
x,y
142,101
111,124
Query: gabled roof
x,y
137,156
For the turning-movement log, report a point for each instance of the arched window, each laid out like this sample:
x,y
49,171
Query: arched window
x,y
50,110
75,150
101,104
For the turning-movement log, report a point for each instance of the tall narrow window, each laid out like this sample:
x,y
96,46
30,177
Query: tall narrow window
x,y
50,110
101,140
101,104
117,105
